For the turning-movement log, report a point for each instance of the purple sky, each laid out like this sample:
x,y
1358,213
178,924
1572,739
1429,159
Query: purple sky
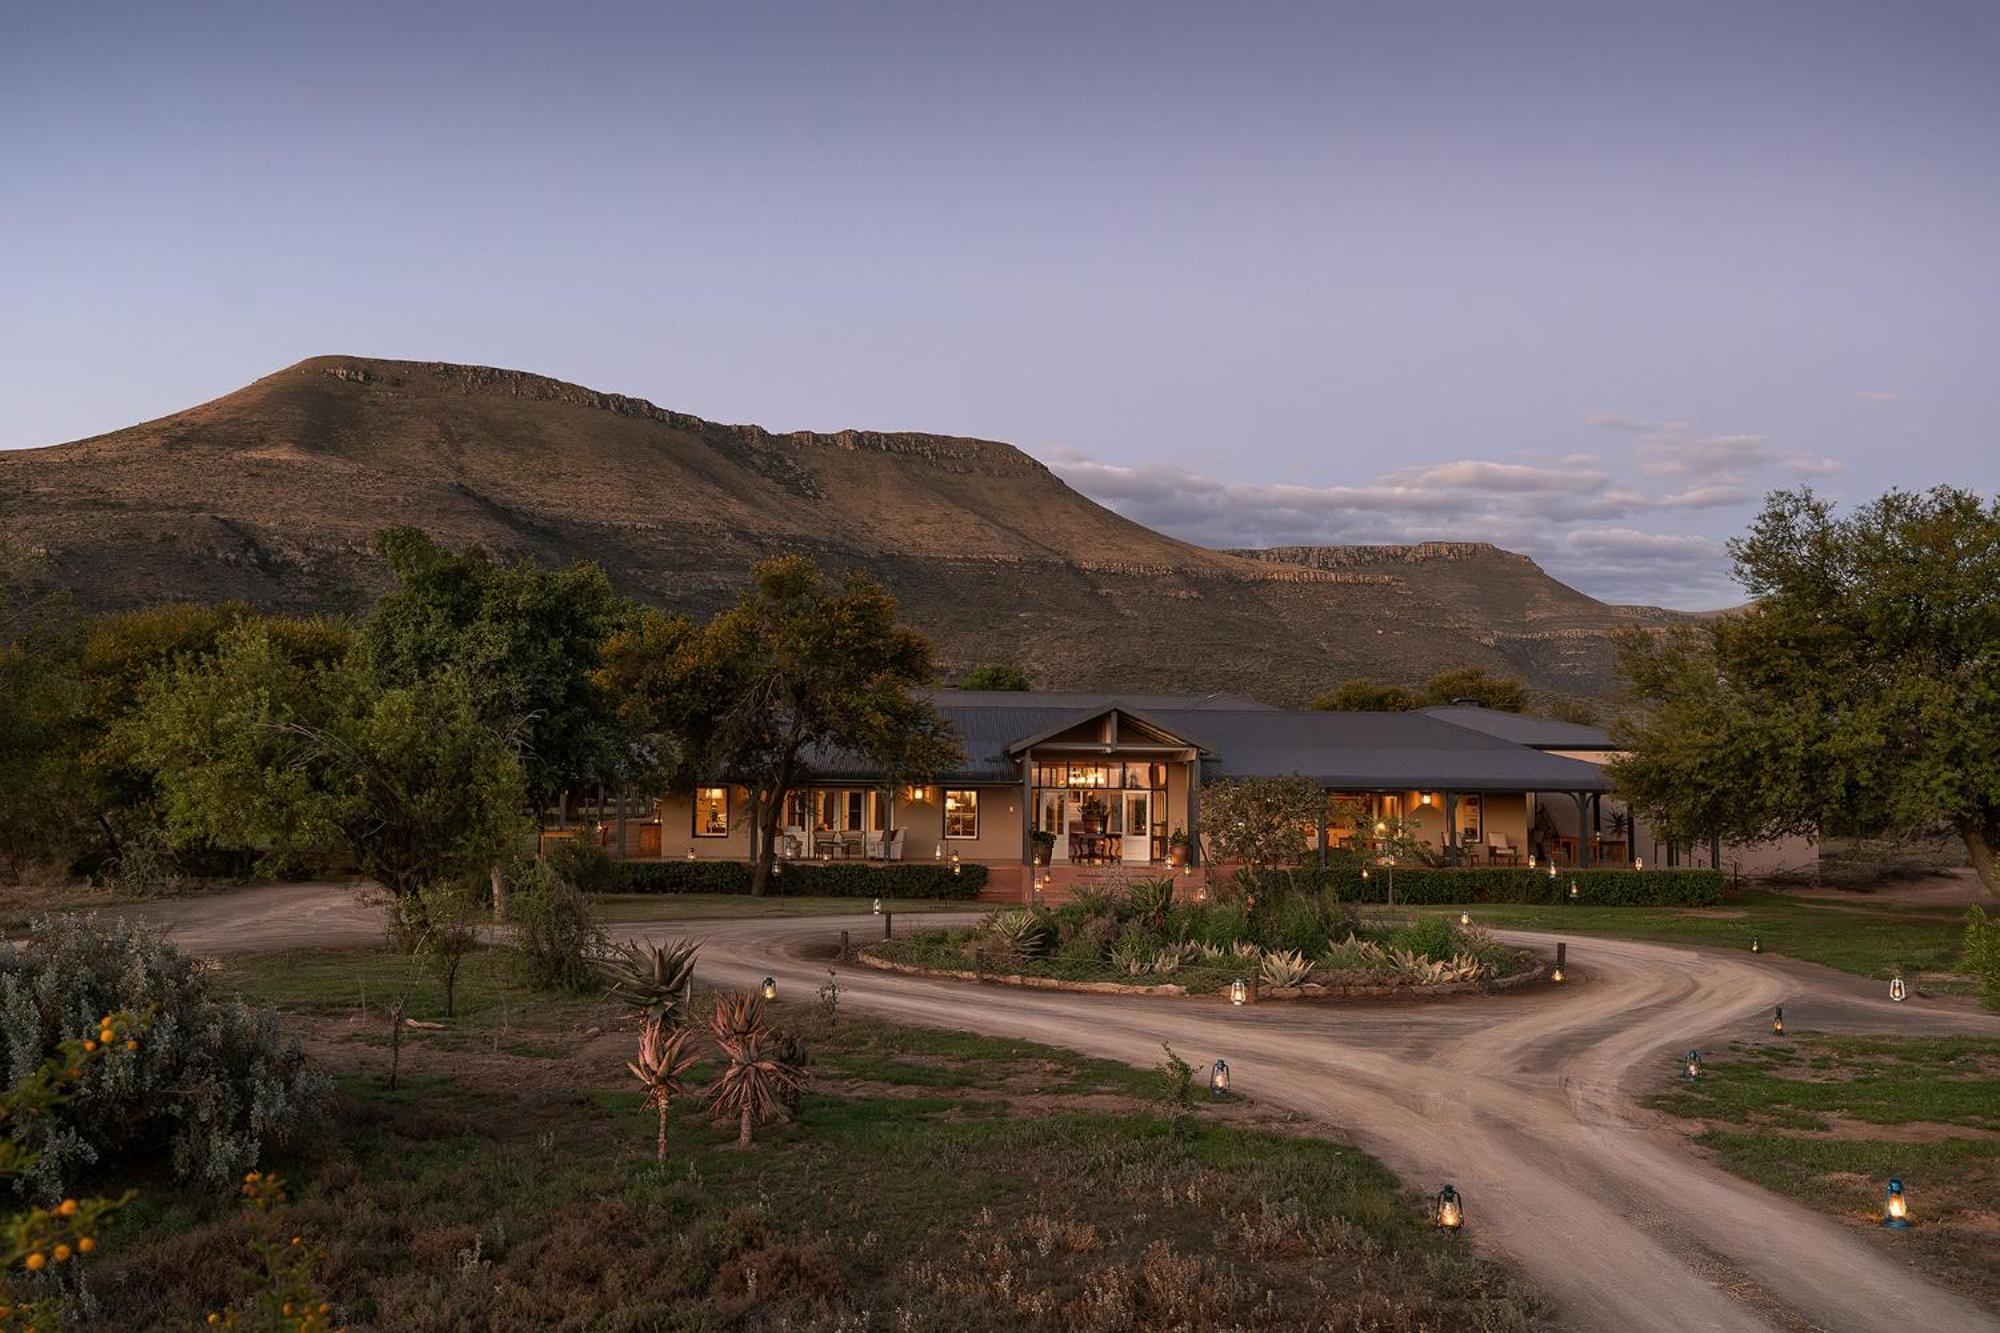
x,y
1582,279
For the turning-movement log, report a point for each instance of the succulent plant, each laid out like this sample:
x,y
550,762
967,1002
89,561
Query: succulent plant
x,y
1283,969
657,979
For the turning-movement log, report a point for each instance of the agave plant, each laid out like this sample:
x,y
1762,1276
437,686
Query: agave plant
x,y
664,1060
1018,931
1131,956
1289,968
1245,949
1167,960
654,978
1149,899
757,1084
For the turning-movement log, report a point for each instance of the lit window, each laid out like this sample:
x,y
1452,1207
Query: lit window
x,y
711,812
961,814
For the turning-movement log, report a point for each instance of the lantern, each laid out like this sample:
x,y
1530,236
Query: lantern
x,y
1424,797
1465,918
1201,893
690,854
1557,975
1380,828
1778,1021
1756,945
1574,892
939,853
1638,863
770,988
1552,870
1187,871
1694,1064
1898,991
1218,1079
1895,1207
1449,1211
1531,860
1239,991
878,907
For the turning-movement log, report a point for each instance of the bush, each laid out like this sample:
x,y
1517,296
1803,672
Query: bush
x,y
1982,954
210,1088
833,879
583,864
555,930
1421,886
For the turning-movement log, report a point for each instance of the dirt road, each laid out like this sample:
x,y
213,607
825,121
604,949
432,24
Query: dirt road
x,y
1522,1101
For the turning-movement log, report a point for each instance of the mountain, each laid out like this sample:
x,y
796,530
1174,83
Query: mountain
x,y
272,495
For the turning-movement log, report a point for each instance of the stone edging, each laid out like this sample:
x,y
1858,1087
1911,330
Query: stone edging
x,y
1311,991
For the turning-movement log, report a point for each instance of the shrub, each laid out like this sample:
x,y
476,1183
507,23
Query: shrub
x,y
835,879
1427,885
1982,954
583,864
555,930
211,1087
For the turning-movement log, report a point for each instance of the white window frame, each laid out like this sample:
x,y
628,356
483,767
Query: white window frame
x,y
950,792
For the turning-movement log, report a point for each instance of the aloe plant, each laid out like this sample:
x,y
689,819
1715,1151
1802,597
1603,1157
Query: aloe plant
x,y
656,979
1284,969
662,1066
757,1084
1018,931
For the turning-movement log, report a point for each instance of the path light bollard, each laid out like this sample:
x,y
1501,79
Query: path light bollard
x,y
1895,1207
888,925
846,952
1562,959
1778,1021
1448,1211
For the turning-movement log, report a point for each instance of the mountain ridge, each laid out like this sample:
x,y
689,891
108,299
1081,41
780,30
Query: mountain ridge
x,y
272,494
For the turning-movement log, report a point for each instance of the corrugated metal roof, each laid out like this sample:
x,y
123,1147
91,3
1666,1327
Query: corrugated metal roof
x,y
1544,733
1090,700
1361,751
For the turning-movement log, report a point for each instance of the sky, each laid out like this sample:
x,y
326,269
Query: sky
x,y
1585,280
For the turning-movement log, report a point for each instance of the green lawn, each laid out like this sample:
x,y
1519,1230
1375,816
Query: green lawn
x,y
1829,1119
932,1180
710,906
1870,943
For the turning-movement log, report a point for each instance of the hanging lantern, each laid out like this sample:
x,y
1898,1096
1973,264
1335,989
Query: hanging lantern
x,y
1465,918
1552,870
1895,1207
1693,1064
770,988
1218,1079
1778,1021
1239,991
1898,991
1449,1211
878,907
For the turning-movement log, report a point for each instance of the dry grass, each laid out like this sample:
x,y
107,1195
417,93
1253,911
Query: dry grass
x,y
933,1180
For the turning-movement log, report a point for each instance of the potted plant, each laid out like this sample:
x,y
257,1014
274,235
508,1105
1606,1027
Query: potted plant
x,y
1044,844
1177,848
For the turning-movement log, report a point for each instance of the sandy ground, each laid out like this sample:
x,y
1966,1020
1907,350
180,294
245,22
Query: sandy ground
x,y
1523,1101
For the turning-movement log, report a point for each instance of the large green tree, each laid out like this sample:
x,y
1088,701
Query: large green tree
x,y
1482,687
523,638
252,748
797,672
1858,693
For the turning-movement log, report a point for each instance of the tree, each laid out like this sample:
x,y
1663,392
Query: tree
x,y
1858,694
662,1068
1479,686
252,749
446,916
1261,822
757,1084
525,640
995,676
1365,696
1446,687
796,671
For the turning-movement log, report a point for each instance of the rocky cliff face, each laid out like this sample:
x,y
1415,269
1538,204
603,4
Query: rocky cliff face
x,y
273,494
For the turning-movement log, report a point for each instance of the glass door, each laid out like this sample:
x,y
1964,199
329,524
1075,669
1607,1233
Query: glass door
x,y
1138,823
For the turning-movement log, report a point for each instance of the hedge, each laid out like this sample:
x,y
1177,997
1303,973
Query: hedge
x,y
832,879
1425,885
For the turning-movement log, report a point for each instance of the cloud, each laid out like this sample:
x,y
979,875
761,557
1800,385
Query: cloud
x,y
1678,449
1880,397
